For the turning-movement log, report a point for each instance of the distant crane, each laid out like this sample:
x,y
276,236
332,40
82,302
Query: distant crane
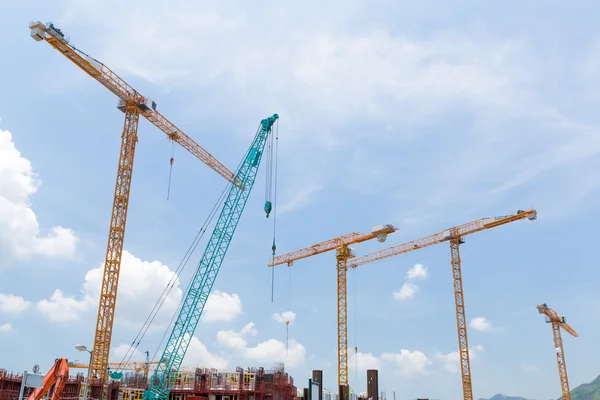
x,y
133,104
557,323
342,252
455,237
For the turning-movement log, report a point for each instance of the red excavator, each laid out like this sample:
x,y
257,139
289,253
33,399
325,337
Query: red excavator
x,y
54,381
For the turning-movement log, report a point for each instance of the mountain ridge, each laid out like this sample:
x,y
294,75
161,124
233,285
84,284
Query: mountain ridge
x,y
585,391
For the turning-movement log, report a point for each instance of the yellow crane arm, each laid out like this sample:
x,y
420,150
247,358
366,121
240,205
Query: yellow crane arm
x,y
380,231
134,366
126,93
458,231
553,317
557,323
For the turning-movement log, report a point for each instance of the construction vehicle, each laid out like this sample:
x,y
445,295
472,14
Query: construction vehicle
x,y
558,323
53,383
133,104
204,278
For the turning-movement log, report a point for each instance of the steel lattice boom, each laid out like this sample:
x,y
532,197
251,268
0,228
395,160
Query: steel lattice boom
x,y
202,282
455,237
343,254
558,323
133,104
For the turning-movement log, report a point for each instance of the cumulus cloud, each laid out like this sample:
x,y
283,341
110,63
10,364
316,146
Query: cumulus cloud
x,y
6,327
236,340
268,351
285,316
418,271
274,350
222,307
408,363
364,361
13,304
197,355
452,360
140,283
20,236
61,308
407,291
481,324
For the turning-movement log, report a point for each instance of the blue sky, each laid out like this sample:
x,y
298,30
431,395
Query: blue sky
x,y
423,114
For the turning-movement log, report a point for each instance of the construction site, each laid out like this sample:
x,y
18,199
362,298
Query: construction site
x,y
164,375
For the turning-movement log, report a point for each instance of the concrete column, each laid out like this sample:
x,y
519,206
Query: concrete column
x,y
317,376
372,384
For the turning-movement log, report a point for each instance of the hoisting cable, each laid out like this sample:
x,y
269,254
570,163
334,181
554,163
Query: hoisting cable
x,y
274,246
170,284
215,208
171,166
180,268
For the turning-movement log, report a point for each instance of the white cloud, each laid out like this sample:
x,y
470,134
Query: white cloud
x,y
61,308
20,236
198,355
268,351
364,360
418,271
6,327
330,71
222,307
481,324
123,350
284,316
409,363
13,304
140,284
407,291
236,340
452,360
273,350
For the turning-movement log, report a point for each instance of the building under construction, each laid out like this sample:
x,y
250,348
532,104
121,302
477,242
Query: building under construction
x,y
201,384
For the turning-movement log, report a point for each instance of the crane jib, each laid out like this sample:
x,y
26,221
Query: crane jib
x,y
204,278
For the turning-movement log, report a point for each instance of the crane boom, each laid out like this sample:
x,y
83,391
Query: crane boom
x,y
446,235
332,244
133,104
455,237
343,253
558,323
202,282
125,92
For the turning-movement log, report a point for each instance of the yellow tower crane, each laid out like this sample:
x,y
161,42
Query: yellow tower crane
x,y
557,323
455,237
343,253
133,104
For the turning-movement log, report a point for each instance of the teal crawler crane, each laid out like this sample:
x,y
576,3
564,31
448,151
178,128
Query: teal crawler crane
x,y
202,282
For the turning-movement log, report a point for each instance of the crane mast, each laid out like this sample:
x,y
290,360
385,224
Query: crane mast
x,y
558,323
202,282
132,104
343,254
455,237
